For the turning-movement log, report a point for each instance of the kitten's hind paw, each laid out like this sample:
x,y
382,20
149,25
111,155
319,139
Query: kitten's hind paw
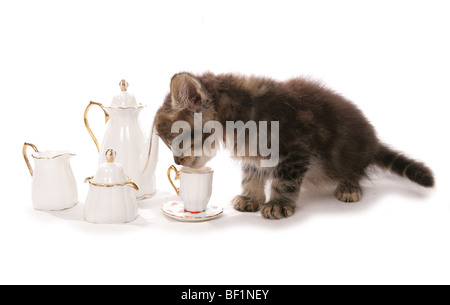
x,y
272,210
245,204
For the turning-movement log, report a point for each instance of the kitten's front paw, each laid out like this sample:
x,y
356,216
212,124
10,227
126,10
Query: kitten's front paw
x,y
272,210
348,193
245,204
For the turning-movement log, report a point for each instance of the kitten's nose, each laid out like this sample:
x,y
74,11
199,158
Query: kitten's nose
x,y
178,160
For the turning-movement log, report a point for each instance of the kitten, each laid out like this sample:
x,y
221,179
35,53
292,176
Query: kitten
x,y
318,129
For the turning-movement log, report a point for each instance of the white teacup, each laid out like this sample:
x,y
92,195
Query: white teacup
x,y
195,187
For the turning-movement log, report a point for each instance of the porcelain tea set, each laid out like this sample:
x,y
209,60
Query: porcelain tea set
x,y
125,174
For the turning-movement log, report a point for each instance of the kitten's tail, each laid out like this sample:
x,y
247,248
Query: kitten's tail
x,y
403,166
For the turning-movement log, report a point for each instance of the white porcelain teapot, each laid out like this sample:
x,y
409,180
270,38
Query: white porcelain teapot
x,y
137,153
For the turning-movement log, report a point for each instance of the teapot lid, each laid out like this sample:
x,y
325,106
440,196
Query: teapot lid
x,y
110,172
124,99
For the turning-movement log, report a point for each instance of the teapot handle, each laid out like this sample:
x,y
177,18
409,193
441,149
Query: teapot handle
x,y
177,177
91,103
24,152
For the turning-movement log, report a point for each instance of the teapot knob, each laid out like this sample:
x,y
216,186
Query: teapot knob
x,y
123,85
110,155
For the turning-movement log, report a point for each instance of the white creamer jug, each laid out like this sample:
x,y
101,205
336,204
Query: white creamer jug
x,y
53,187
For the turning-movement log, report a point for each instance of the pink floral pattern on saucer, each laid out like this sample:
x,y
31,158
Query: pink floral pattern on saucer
x,y
175,210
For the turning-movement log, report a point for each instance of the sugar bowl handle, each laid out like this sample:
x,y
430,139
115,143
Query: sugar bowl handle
x,y
86,122
24,152
129,183
132,184
177,177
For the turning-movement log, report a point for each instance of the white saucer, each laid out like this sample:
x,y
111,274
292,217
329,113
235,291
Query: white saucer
x,y
175,210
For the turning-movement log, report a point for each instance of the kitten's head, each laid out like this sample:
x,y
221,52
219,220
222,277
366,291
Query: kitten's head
x,y
187,96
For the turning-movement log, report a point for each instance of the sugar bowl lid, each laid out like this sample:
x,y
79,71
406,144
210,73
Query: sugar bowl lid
x,y
124,99
110,173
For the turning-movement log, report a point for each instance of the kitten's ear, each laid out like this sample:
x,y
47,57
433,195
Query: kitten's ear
x,y
186,92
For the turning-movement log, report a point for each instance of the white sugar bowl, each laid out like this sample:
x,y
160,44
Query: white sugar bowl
x,y
111,198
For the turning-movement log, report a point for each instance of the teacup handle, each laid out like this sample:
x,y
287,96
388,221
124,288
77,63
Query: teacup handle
x,y
24,152
177,177
91,103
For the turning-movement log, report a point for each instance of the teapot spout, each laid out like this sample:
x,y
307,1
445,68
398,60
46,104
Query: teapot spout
x,y
147,165
150,154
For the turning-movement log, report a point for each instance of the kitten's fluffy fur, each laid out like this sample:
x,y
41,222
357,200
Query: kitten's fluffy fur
x,y
318,128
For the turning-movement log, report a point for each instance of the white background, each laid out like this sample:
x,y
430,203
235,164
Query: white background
x,y
390,57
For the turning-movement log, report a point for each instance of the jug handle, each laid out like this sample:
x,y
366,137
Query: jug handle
x,y
177,177
86,122
24,152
